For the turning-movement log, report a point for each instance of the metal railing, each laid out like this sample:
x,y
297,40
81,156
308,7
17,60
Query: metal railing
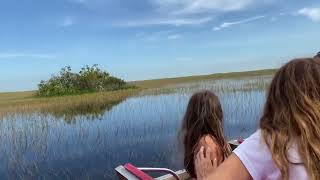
x,y
160,170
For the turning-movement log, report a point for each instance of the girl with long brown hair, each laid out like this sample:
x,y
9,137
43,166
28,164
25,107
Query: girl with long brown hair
x,y
203,126
287,145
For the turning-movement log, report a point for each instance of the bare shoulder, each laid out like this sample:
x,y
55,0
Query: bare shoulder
x,y
208,141
211,141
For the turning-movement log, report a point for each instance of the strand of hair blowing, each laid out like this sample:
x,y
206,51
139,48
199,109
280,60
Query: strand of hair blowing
x,y
292,115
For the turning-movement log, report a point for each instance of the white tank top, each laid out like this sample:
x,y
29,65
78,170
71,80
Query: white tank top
x,y
256,157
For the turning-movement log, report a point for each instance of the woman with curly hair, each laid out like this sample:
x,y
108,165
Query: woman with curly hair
x,y
287,145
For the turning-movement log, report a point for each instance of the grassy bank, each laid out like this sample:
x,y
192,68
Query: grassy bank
x,y
95,103
158,83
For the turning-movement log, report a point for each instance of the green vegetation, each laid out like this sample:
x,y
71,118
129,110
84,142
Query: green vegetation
x,y
65,106
159,83
89,79
98,102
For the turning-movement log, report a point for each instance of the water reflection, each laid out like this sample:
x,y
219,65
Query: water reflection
x,y
89,111
141,130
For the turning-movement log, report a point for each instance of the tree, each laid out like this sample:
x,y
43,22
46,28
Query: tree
x,y
89,79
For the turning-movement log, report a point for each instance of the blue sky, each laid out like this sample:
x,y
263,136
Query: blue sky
x,y
146,39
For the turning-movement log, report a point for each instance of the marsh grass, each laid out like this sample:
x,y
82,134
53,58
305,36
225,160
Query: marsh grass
x,y
96,103
64,106
255,83
160,83
53,138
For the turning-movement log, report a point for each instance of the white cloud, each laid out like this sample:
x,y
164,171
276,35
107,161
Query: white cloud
x,y
66,22
174,36
311,13
229,24
284,13
216,28
201,6
170,22
25,55
160,35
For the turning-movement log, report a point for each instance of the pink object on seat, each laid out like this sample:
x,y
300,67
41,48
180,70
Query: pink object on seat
x,y
138,173
240,140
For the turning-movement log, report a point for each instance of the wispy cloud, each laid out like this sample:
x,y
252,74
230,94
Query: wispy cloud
x,y
311,13
160,35
26,55
169,22
201,6
174,36
229,24
66,22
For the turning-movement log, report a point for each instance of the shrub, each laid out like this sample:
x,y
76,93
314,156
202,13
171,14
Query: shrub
x,y
89,79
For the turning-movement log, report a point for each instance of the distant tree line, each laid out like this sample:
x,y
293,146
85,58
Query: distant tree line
x,y
89,79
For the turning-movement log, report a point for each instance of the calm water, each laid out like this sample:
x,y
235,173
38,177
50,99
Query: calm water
x,y
141,130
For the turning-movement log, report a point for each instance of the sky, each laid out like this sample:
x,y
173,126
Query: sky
x,y
148,39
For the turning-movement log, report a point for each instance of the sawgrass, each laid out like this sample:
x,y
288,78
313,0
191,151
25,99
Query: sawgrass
x,y
96,103
92,103
158,83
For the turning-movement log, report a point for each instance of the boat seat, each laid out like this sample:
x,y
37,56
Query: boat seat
x,y
130,172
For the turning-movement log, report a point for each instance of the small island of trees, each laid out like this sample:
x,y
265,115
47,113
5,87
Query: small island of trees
x,y
89,79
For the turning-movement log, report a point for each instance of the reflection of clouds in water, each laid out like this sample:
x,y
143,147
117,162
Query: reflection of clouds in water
x,y
141,130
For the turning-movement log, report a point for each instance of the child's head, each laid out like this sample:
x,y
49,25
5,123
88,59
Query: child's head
x,y
292,115
203,117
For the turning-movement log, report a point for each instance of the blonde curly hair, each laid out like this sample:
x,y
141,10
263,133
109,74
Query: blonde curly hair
x,y
292,115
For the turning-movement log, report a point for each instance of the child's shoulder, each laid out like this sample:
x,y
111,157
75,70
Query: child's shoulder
x,y
209,141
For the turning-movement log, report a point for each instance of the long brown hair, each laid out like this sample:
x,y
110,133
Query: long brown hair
x,y
292,115
203,117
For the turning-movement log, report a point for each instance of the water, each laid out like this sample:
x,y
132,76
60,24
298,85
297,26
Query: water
x,y
141,130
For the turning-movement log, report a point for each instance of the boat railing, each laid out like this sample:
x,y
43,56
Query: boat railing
x,y
130,172
160,170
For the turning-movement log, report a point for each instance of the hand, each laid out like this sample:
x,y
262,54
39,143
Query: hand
x,y
204,165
